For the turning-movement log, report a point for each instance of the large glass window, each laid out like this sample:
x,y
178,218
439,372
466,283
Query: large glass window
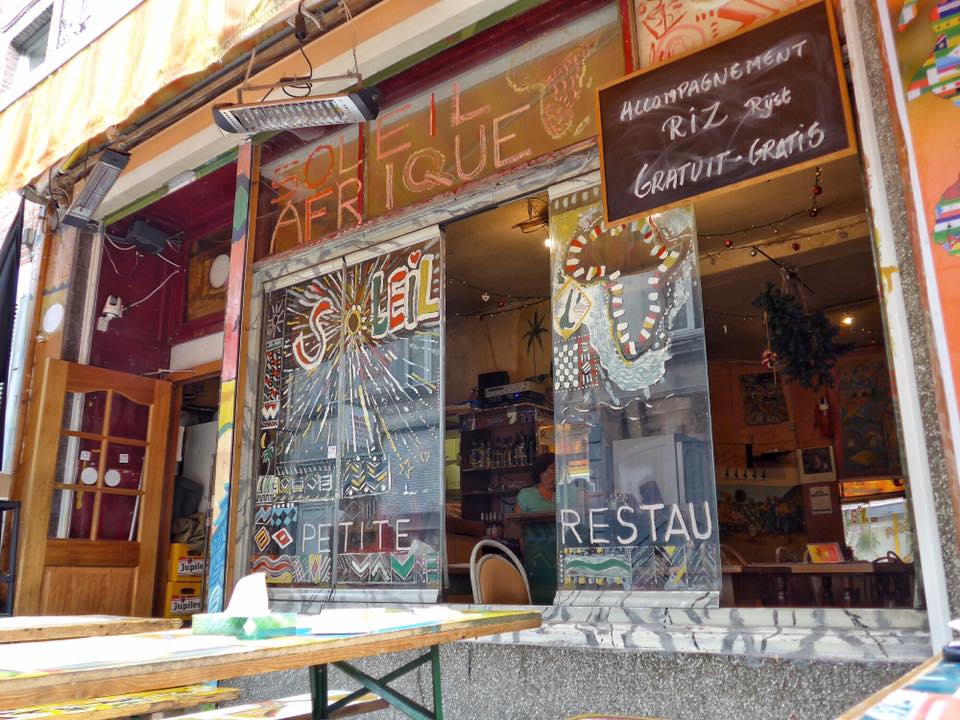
x,y
349,491
635,482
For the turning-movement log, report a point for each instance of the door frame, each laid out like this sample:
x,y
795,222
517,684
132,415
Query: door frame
x,y
178,378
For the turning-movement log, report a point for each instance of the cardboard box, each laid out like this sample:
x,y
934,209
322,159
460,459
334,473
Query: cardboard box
x,y
184,564
182,599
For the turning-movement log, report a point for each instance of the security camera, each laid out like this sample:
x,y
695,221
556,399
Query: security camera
x,y
112,308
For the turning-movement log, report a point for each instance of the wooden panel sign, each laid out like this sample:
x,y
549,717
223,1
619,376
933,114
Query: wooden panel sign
x,y
764,100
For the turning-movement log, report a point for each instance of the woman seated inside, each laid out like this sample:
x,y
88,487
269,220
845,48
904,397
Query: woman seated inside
x,y
540,497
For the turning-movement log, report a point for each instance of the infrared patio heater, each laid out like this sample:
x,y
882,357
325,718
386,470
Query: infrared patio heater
x,y
297,111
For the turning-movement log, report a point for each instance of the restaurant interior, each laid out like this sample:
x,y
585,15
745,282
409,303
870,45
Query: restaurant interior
x,y
812,498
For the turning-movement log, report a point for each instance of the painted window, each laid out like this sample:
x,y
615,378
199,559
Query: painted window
x,y
636,494
349,490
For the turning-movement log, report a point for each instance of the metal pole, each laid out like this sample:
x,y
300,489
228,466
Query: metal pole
x,y
437,693
318,692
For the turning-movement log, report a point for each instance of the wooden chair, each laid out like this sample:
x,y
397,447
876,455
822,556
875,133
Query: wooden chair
x,y
891,589
498,580
803,591
728,593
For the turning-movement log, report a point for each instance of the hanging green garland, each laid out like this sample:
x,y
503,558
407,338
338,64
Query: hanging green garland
x,y
804,342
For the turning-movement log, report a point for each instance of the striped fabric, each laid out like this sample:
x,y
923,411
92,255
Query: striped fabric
x,y
140,63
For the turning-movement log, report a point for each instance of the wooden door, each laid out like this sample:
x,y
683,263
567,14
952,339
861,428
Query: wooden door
x,y
94,492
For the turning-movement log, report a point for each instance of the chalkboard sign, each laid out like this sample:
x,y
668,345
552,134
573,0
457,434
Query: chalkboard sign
x,y
763,100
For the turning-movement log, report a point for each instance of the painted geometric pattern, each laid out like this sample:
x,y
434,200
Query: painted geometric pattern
x,y
671,566
310,480
575,364
272,382
644,568
946,228
598,567
365,476
703,566
389,568
286,569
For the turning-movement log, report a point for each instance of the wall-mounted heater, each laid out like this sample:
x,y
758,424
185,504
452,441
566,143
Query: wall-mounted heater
x,y
291,113
99,182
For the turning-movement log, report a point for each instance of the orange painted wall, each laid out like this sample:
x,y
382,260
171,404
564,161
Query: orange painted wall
x,y
934,122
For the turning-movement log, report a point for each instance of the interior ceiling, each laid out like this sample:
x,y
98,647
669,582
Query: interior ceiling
x,y
834,260
487,252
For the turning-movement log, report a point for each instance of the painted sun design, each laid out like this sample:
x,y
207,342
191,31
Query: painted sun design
x,y
346,391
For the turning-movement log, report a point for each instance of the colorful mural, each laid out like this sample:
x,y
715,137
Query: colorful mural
x,y
867,440
511,102
229,371
926,38
667,29
629,400
350,488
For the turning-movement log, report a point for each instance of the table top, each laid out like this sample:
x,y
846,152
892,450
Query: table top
x,y
858,567
23,628
926,691
81,668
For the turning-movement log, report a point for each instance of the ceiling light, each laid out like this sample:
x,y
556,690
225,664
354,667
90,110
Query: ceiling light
x,y
537,216
548,242
847,320
291,113
102,178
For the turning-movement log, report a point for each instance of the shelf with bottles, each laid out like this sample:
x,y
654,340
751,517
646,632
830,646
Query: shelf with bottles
x,y
505,416
502,450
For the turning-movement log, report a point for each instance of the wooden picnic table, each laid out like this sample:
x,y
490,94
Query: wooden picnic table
x,y
81,668
25,628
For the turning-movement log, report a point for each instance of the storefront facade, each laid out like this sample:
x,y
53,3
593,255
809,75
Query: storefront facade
x,y
329,472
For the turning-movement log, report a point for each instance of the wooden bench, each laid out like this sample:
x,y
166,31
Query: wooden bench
x,y
127,704
295,707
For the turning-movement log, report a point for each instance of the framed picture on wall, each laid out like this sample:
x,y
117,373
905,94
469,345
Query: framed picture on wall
x,y
816,464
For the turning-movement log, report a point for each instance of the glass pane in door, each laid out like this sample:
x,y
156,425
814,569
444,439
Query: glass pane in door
x,y
128,419
84,412
295,499
118,516
124,466
391,444
636,492
71,515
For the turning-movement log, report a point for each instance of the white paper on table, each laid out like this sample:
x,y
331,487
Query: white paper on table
x,y
113,651
361,621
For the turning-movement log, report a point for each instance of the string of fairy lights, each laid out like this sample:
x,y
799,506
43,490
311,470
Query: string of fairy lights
x,y
501,302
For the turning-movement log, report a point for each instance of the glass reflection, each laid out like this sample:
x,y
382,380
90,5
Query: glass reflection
x,y
636,491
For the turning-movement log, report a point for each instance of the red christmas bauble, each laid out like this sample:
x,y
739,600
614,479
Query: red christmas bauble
x,y
769,360
817,190
796,246
728,243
